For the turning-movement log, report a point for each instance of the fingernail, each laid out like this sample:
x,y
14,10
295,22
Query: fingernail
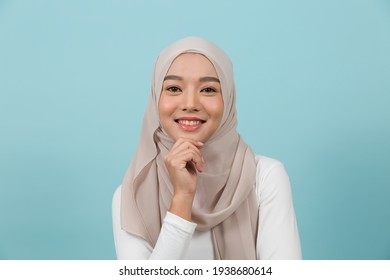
x,y
202,159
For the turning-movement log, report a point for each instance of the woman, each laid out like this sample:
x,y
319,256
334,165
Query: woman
x,y
194,189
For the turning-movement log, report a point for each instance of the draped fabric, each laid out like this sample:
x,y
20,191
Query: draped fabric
x,y
225,201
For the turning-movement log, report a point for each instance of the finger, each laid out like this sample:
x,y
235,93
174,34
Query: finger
x,y
185,150
193,157
190,166
198,165
184,147
180,141
197,159
180,160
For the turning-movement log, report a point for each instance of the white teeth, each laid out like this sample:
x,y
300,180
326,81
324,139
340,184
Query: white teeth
x,y
190,123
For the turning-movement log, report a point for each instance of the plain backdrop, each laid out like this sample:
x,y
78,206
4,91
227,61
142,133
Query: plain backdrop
x,y
313,90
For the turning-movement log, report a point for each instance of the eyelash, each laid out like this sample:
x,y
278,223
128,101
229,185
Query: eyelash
x,y
175,89
209,90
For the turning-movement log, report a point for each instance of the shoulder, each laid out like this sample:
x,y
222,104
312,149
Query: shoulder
x,y
266,164
271,177
267,167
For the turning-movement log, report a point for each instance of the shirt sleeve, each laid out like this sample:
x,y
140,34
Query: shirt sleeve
x,y
173,241
278,236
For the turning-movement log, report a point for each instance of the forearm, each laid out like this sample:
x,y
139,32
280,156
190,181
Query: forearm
x,y
174,239
175,236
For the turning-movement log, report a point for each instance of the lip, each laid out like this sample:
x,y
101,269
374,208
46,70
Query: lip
x,y
189,119
189,128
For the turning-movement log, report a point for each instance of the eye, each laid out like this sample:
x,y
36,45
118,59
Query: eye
x,y
174,89
209,90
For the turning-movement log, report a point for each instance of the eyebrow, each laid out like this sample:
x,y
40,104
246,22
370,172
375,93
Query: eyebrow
x,y
202,79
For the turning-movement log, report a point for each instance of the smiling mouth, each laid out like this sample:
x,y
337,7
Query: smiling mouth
x,y
189,125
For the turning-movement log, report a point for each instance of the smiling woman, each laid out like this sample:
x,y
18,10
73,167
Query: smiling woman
x,y
195,189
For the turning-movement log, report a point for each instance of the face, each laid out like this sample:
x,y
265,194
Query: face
x,y
191,103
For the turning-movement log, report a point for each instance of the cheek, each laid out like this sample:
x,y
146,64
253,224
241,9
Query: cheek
x,y
166,107
215,108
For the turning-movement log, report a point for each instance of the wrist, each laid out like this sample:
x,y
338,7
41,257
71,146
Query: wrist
x,y
181,205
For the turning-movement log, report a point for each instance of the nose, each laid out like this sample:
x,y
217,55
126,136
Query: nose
x,y
190,102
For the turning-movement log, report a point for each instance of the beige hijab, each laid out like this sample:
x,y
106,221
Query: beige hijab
x,y
225,201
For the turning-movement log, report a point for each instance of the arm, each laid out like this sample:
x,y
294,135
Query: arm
x,y
172,243
183,162
278,236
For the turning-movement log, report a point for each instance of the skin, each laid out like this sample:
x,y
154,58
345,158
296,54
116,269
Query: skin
x,y
191,92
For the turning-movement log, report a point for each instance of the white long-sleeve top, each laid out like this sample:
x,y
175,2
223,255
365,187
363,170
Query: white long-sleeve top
x,y
277,235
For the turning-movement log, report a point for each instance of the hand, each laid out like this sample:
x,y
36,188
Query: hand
x,y
183,162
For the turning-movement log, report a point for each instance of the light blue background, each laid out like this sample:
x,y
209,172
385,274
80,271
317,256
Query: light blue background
x,y
313,84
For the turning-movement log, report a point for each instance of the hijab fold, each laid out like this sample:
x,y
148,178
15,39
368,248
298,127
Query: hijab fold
x,y
225,201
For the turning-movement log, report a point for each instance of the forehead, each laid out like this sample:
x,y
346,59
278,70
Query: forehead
x,y
192,64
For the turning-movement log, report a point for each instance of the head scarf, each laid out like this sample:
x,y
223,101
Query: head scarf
x,y
225,201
